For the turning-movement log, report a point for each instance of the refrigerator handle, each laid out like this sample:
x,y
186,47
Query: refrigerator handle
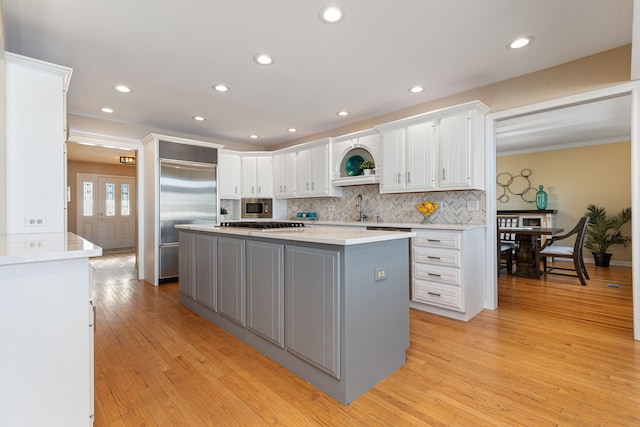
x,y
169,245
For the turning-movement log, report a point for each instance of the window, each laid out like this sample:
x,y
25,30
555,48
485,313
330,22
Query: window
x,y
87,198
124,200
110,200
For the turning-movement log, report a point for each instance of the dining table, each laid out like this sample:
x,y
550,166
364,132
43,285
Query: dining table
x,y
528,252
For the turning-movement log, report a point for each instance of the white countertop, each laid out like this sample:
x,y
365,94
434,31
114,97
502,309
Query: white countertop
x,y
413,225
37,247
326,235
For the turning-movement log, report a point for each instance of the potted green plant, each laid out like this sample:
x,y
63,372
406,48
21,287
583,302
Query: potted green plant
x,y
603,232
367,167
223,214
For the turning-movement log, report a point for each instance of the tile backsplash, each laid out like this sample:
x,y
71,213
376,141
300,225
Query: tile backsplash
x,y
388,207
393,207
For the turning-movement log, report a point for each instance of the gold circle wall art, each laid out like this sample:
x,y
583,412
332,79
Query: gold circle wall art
x,y
517,185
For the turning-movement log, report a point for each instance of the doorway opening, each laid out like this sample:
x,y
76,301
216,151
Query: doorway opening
x,y
585,98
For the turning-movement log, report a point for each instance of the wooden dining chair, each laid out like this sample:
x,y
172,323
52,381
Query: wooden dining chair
x,y
551,249
506,244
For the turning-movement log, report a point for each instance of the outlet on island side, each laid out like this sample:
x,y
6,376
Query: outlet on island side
x,y
380,273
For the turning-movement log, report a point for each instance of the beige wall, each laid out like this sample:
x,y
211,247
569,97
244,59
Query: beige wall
x,y
74,168
574,178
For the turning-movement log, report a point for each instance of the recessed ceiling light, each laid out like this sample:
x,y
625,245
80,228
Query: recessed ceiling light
x,y
331,14
220,88
198,118
106,110
254,136
520,42
263,59
416,89
342,113
122,88
292,130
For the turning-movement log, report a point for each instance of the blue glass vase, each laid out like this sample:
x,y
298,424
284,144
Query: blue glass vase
x,y
541,198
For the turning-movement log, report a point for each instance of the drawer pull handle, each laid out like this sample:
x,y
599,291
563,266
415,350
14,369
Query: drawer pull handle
x,y
433,257
434,294
434,274
433,240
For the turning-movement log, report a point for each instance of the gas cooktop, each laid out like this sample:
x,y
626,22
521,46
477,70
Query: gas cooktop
x,y
261,225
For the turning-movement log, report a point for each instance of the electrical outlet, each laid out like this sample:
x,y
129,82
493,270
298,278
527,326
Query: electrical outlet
x,y
35,222
407,205
380,273
473,205
332,208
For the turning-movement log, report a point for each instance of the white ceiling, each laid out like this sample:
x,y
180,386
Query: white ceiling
x,y
171,53
598,122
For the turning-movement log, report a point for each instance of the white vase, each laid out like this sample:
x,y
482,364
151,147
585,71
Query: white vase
x,y
368,171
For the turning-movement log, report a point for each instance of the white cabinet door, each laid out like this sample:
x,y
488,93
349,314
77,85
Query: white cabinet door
x,y
264,176
249,175
455,152
421,156
303,173
284,169
319,170
392,173
229,174
257,176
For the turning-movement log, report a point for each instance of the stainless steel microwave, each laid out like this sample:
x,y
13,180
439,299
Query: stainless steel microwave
x,y
257,208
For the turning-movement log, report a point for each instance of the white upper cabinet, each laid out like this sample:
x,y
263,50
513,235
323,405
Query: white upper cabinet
x,y
392,164
312,170
421,152
441,150
284,174
408,158
35,105
229,174
461,150
257,175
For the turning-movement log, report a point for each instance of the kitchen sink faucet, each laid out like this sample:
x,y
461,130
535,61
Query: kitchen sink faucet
x,y
359,204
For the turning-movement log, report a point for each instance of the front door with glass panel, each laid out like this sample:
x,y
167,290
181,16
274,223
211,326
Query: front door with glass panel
x,y
106,210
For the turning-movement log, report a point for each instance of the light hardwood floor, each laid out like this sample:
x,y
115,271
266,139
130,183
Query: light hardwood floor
x,y
553,353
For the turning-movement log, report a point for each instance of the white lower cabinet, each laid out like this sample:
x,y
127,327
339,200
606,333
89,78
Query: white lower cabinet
x,y
46,335
448,272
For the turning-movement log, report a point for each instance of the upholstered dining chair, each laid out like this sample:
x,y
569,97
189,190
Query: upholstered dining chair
x,y
551,249
506,244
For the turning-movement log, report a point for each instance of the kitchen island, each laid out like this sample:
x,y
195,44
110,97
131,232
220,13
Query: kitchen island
x,y
329,304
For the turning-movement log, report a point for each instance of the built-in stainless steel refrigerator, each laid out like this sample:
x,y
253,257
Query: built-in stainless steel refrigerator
x,y
188,195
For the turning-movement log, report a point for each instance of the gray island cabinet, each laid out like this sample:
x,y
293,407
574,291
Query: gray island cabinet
x,y
330,305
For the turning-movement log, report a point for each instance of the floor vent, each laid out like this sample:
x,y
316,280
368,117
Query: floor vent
x,y
613,285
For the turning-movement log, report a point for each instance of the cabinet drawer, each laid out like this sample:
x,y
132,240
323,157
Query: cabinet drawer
x,y
438,239
437,294
435,273
436,256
